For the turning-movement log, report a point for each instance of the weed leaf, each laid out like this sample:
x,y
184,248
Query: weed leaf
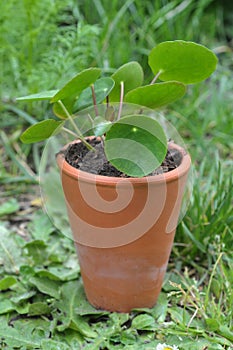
x,y
48,344
46,286
144,323
38,308
37,250
9,207
15,338
40,226
70,298
10,254
7,282
6,306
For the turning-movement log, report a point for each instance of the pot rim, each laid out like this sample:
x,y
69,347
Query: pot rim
x,y
169,176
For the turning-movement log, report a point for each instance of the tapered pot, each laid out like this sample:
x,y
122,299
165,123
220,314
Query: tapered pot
x,y
123,229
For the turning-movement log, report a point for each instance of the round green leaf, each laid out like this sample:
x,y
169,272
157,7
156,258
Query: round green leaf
x,y
131,74
136,145
157,95
101,126
44,95
76,85
102,89
40,131
183,61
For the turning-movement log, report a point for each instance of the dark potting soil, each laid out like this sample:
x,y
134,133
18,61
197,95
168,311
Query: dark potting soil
x,y
78,156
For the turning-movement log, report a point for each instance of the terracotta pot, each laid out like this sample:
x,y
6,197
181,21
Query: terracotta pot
x,y
123,230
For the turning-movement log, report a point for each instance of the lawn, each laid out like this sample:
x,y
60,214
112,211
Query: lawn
x,y
42,302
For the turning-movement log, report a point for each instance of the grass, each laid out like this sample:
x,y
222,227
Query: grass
x,y
41,47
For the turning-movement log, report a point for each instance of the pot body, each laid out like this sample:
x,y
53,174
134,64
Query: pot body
x,y
123,229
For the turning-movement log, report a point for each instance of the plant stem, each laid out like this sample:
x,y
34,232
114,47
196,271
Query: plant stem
x,y
79,134
107,101
121,100
94,100
156,77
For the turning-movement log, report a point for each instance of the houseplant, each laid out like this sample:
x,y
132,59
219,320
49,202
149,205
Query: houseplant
x,y
124,217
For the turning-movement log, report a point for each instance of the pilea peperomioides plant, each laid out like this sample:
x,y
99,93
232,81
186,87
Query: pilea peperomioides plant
x,y
174,65
123,225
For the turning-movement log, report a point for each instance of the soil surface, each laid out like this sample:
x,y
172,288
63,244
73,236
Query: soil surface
x,y
78,156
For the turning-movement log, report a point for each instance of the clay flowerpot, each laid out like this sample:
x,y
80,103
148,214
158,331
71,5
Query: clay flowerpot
x,y
123,229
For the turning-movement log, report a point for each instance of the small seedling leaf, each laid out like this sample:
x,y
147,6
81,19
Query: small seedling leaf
x,y
44,95
136,145
77,84
182,61
156,95
131,74
101,126
40,131
102,88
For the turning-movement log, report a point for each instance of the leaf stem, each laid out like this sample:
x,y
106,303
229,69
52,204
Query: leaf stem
x,y
79,134
69,131
156,77
90,119
94,100
121,100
